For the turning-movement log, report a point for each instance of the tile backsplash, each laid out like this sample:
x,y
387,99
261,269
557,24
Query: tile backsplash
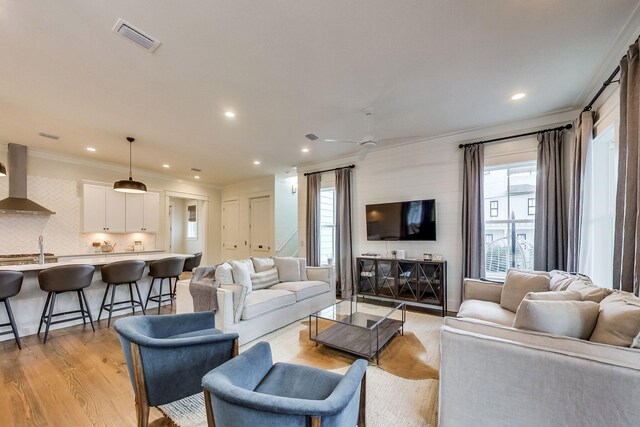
x,y
62,232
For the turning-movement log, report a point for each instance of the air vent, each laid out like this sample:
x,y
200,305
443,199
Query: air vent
x,y
196,169
130,32
311,137
48,135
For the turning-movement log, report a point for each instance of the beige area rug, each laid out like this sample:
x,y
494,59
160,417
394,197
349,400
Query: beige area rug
x,y
393,399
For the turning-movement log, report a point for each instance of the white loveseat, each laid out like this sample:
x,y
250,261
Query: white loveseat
x,y
268,309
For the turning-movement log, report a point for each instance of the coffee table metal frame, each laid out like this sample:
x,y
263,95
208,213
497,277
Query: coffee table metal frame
x,y
350,334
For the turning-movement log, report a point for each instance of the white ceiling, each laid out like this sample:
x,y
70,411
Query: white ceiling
x,y
287,68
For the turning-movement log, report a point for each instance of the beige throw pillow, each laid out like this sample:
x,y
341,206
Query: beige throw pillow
x,y
239,294
288,269
519,283
224,273
262,264
618,321
264,279
241,274
568,318
554,296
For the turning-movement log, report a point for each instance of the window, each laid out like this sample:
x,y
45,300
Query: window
x,y
488,238
531,206
512,228
493,208
327,225
192,222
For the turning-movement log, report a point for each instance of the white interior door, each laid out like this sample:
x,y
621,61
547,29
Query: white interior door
x,y
230,235
260,226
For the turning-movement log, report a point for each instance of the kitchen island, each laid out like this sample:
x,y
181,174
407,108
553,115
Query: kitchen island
x,y
28,304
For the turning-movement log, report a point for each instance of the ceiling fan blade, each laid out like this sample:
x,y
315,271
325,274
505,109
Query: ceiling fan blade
x,y
400,140
343,140
364,151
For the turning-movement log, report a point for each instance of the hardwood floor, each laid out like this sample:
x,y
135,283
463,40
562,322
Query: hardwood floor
x,y
78,378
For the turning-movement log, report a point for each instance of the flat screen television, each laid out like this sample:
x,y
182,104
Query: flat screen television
x,y
401,221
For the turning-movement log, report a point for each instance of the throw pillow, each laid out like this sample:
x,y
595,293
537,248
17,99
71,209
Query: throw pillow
x,y
589,292
303,268
239,294
262,264
568,318
618,321
241,274
561,280
554,296
288,269
519,283
224,273
264,279
249,263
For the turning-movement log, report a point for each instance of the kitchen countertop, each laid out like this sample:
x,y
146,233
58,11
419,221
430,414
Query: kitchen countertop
x,y
96,260
98,254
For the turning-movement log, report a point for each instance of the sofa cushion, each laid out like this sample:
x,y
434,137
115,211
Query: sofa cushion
x,y
265,300
262,264
560,280
224,273
487,311
288,269
619,320
568,318
239,295
304,290
264,279
519,283
554,296
241,274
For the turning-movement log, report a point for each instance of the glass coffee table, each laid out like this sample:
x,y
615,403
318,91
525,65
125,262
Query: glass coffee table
x,y
358,328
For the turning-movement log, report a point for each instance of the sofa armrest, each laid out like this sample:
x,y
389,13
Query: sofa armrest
x,y
322,274
224,315
481,289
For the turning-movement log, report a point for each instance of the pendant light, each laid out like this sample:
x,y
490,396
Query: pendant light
x,y
129,185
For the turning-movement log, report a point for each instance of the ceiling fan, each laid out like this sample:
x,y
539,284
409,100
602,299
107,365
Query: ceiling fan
x,y
366,143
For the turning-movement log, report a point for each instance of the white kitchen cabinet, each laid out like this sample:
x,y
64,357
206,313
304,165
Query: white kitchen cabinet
x,y
143,212
103,209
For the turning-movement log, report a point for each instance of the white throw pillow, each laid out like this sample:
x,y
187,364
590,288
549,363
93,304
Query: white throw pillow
x,y
264,279
224,274
239,294
241,274
554,296
249,263
288,269
519,283
618,321
568,318
303,268
262,264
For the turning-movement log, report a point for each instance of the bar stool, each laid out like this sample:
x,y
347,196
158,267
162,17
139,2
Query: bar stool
x,y
10,285
192,262
58,280
121,273
168,268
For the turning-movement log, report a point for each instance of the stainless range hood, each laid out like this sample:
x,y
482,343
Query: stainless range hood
x,y
17,202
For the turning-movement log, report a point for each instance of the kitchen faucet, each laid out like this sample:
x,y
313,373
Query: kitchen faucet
x,y
41,249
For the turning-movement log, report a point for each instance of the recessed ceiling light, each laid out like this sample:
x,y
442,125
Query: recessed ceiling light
x,y
166,166
518,96
91,149
256,162
229,114
305,150
196,177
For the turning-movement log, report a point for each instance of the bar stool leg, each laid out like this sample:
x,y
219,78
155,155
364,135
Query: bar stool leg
x,y
86,303
104,298
113,294
146,303
133,305
13,323
84,321
160,294
44,311
140,299
50,316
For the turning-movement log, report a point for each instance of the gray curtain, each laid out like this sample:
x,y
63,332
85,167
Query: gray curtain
x,y
626,265
550,247
473,212
344,255
313,219
583,134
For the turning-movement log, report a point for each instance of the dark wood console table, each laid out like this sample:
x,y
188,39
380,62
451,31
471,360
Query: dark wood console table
x,y
421,283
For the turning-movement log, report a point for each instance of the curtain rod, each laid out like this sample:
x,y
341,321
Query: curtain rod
x,y
567,126
330,170
602,88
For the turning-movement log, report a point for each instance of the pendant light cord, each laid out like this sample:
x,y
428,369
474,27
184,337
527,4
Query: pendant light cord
x,y
130,177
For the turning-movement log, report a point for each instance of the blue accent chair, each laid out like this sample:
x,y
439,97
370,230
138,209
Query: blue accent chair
x,y
168,355
250,391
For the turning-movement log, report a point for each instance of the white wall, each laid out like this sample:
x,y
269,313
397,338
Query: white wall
x,y
424,170
55,182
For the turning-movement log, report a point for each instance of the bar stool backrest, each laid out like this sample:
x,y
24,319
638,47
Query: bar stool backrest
x,y
129,271
192,262
168,267
66,278
10,284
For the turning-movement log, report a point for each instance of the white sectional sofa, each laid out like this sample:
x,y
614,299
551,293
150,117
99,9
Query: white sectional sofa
x,y
268,309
